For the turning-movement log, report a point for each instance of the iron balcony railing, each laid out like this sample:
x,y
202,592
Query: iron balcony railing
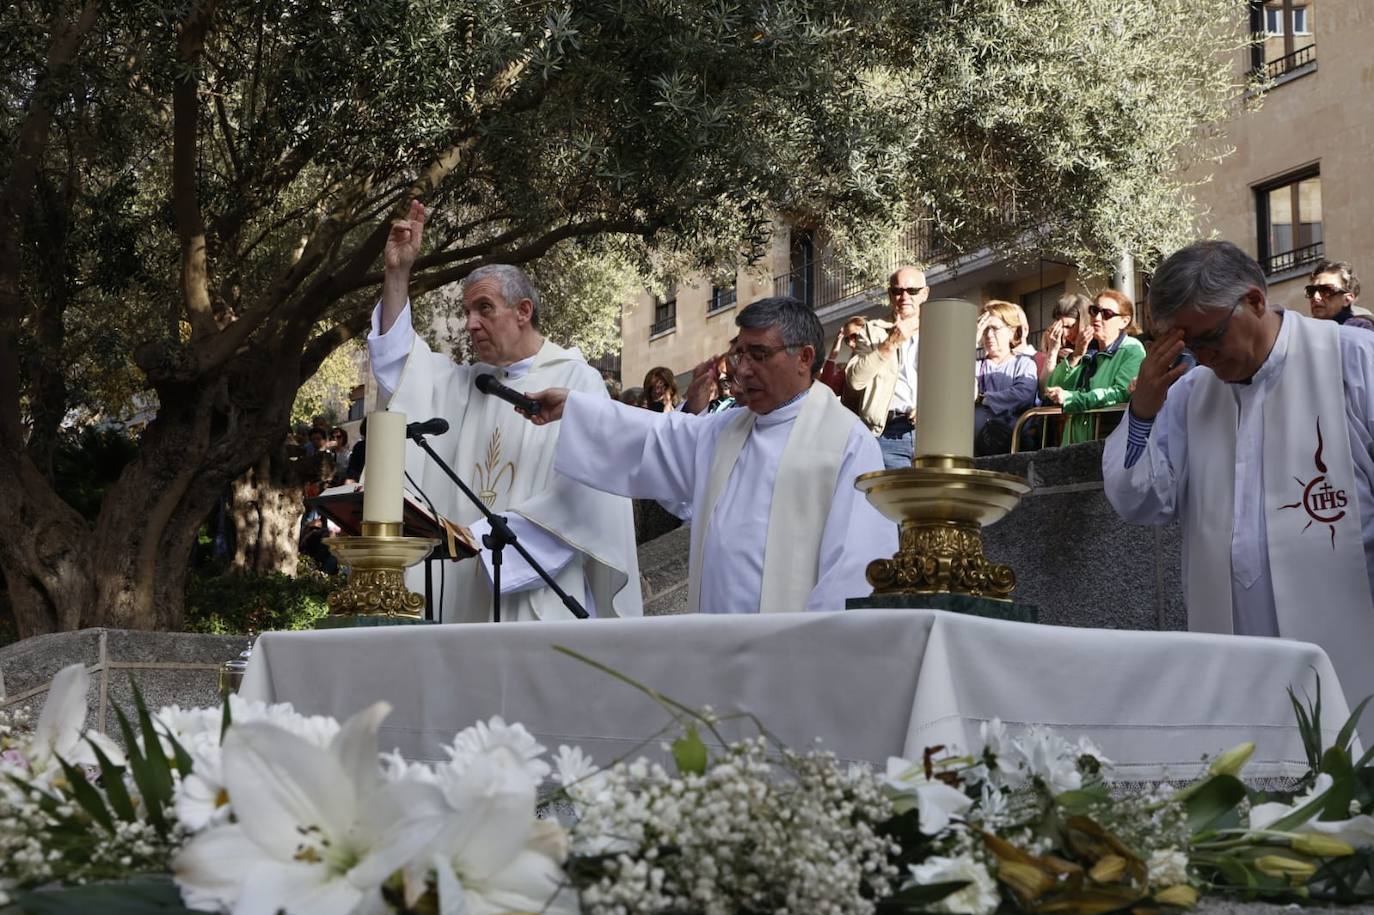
x,y
825,280
1273,69
1289,260
663,325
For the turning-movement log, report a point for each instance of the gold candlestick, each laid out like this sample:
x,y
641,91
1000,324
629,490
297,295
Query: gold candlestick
x,y
940,504
376,562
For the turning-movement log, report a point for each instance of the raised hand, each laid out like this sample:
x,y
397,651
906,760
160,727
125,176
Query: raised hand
x,y
404,240
551,403
702,387
1158,372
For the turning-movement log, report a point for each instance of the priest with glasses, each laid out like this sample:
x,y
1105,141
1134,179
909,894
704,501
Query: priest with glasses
x,y
777,523
1265,455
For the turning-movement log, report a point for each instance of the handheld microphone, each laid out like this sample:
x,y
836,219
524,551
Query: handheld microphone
x,y
488,384
436,426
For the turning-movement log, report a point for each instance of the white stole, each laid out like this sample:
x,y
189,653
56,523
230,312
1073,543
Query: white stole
x,y
1312,515
802,493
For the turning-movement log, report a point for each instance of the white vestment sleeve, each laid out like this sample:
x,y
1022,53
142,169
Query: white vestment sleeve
x,y
1150,491
388,351
630,451
517,574
855,532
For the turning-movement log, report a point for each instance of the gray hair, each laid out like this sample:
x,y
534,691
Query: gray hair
x,y
796,324
1349,280
1205,276
515,286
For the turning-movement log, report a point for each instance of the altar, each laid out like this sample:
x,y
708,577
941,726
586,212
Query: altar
x,y
865,685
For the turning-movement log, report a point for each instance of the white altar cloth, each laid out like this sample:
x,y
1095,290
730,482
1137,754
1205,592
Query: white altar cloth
x,y
864,684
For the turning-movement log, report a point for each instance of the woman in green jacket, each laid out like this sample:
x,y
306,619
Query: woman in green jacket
x,y
1102,376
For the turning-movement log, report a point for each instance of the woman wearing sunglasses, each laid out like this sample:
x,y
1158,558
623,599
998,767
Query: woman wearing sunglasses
x,y
1102,376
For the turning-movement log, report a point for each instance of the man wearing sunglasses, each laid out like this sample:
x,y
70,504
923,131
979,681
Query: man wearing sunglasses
x,y
882,373
1331,292
1265,455
776,522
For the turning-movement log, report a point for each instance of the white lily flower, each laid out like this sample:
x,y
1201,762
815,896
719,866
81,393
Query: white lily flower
x,y
980,897
1357,831
61,728
497,857
936,803
316,830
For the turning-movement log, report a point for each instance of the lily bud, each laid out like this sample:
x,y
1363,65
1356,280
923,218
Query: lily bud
x,y
1183,896
1284,866
1319,845
1233,760
1109,869
1027,882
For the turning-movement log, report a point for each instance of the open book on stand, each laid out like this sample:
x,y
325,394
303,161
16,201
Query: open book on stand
x,y
344,506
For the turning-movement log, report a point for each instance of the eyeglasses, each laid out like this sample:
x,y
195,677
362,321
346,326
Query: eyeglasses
x,y
1324,290
1106,313
756,354
1213,339
912,291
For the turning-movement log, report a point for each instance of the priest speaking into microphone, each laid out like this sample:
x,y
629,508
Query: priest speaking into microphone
x,y
583,537
776,522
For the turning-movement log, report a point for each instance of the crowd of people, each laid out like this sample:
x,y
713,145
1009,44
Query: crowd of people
x,y
1248,424
1086,360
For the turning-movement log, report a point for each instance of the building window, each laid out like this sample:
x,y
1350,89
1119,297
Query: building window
x,y
1290,222
722,298
1283,44
1275,22
665,313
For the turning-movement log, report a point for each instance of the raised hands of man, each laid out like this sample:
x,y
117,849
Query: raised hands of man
x,y
402,247
702,388
403,242
1158,372
551,401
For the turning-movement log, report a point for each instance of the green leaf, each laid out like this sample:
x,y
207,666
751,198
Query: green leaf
x,y
690,753
1336,763
86,795
1348,729
143,777
1212,800
1084,799
160,770
112,780
141,895
917,898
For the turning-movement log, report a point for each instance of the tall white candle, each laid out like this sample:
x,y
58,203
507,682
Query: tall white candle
x,y
385,468
944,365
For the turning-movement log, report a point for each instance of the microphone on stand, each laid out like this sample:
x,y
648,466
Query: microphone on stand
x,y
488,384
436,426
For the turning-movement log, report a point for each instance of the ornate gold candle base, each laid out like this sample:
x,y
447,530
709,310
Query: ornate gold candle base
x,y
376,562
940,504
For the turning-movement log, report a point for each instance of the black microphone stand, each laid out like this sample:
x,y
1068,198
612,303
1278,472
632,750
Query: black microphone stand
x,y
500,537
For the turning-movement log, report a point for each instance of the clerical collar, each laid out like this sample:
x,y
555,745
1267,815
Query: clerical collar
x,y
783,412
515,369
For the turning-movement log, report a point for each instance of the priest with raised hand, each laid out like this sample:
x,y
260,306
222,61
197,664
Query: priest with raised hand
x,y
1264,453
583,537
777,523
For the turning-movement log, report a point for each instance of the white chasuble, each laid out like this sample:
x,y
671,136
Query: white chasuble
x,y
587,535
1311,513
776,522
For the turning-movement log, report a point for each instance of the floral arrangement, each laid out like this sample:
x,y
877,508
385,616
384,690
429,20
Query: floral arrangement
x,y
257,808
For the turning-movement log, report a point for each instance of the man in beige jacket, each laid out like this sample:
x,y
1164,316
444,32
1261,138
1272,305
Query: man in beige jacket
x,y
882,374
